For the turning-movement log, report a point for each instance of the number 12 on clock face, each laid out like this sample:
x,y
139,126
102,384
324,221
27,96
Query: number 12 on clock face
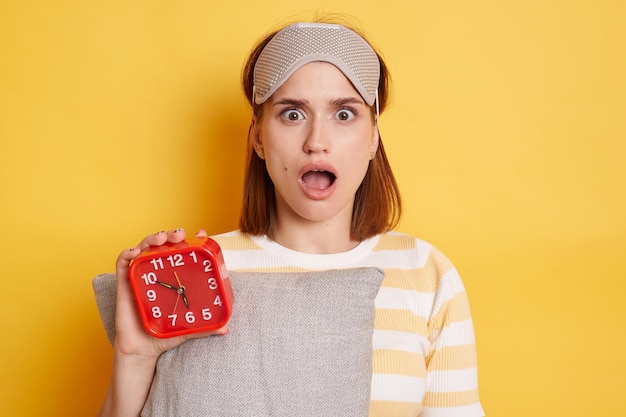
x,y
182,288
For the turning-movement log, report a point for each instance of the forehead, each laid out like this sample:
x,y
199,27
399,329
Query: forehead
x,y
317,79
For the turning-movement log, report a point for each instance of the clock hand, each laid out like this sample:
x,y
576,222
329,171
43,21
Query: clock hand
x,y
182,287
166,285
176,303
179,290
178,280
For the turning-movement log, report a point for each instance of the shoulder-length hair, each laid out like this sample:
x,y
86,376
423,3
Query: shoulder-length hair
x,y
377,204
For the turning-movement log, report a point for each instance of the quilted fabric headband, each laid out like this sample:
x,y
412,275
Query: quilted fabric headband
x,y
301,43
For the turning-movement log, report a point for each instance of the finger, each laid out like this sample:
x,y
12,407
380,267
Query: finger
x,y
122,267
156,239
218,332
124,258
160,238
201,233
175,236
221,331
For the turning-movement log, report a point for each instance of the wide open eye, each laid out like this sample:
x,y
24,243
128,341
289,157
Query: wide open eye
x,y
345,115
292,115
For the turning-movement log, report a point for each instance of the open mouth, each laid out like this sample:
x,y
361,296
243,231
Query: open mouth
x,y
318,179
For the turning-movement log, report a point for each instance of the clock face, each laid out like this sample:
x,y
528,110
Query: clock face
x,y
182,288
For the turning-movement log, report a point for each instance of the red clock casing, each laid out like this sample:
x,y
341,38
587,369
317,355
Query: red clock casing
x,y
182,288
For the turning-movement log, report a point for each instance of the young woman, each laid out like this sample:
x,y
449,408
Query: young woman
x,y
320,194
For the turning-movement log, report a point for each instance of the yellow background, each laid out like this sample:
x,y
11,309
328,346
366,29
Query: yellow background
x,y
506,130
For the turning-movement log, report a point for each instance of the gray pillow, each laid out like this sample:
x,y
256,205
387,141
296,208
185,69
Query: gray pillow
x,y
300,344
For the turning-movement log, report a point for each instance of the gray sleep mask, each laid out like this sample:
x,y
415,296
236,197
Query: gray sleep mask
x,y
301,43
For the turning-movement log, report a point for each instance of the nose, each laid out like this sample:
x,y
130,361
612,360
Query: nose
x,y
316,137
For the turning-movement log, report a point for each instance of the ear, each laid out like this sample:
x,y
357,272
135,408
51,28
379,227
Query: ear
x,y
375,140
255,136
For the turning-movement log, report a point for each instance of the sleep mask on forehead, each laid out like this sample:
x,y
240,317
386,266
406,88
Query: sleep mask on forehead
x,y
301,43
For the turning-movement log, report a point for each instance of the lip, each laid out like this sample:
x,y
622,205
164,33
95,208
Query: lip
x,y
317,194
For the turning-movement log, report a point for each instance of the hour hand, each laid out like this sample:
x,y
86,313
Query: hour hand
x,y
166,285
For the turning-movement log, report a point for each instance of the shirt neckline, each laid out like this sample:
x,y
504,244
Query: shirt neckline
x,y
315,260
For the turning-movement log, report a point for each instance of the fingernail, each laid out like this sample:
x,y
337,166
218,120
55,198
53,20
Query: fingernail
x,y
158,233
180,229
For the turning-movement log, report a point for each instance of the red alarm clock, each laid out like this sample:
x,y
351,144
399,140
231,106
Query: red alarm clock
x,y
182,288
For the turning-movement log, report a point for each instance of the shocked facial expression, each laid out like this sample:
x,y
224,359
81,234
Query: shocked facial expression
x,y
317,136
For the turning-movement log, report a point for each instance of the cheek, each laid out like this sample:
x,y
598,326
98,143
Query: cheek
x,y
360,155
279,154
361,143
277,166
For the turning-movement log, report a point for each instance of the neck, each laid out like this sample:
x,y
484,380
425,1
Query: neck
x,y
314,238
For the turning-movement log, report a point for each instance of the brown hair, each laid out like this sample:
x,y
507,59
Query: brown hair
x,y
377,205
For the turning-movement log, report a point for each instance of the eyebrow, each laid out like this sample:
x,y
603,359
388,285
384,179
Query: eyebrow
x,y
290,102
347,100
336,102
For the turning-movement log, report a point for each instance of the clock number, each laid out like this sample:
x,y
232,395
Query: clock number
x,y
212,283
217,301
156,312
206,314
176,260
149,278
189,317
208,266
157,263
194,257
151,294
173,318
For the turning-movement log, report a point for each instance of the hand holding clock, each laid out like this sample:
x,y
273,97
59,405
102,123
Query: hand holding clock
x,y
131,337
135,351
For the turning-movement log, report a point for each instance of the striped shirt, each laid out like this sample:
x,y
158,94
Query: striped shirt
x,y
424,357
